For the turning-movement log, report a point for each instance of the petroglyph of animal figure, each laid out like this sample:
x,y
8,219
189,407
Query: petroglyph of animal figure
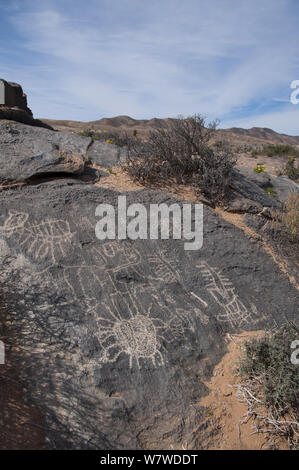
x,y
221,289
14,222
42,240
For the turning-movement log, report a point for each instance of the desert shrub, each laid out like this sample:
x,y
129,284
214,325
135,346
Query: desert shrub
x,y
270,382
286,222
87,133
269,190
279,150
180,152
254,153
215,173
290,169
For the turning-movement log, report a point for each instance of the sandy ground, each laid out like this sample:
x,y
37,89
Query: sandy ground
x,y
235,431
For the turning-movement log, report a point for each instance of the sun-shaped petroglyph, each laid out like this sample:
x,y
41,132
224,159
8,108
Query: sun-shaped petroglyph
x,y
135,337
139,325
120,269
125,327
234,311
43,240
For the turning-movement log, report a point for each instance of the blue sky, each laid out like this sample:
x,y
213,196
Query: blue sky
x,y
227,59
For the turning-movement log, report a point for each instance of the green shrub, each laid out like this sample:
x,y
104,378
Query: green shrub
x,y
87,133
270,191
279,150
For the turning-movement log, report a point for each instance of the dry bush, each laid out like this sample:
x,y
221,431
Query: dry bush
x,y
286,222
270,384
180,152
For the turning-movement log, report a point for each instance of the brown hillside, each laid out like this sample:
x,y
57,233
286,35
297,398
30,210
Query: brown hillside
x,y
237,136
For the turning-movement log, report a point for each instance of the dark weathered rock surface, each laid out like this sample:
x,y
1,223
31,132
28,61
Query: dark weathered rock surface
x,y
284,187
106,155
240,204
27,151
249,189
111,339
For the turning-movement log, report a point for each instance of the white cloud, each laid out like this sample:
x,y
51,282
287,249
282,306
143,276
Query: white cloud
x,y
160,58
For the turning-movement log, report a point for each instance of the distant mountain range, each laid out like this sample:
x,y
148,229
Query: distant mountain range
x,y
236,135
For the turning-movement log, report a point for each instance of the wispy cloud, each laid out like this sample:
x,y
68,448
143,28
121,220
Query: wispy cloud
x,y
226,59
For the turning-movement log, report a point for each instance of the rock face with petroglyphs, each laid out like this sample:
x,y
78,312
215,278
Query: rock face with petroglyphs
x,y
112,340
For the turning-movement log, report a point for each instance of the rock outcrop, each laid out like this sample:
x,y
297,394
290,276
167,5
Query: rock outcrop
x,y
282,186
31,151
112,340
249,189
13,105
106,155
12,95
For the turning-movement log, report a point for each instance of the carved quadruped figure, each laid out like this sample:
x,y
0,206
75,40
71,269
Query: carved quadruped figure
x,y
14,222
235,313
41,240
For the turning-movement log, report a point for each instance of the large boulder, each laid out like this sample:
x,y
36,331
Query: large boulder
x,y
112,340
12,95
13,105
249,189
106,154
282,186
27,151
